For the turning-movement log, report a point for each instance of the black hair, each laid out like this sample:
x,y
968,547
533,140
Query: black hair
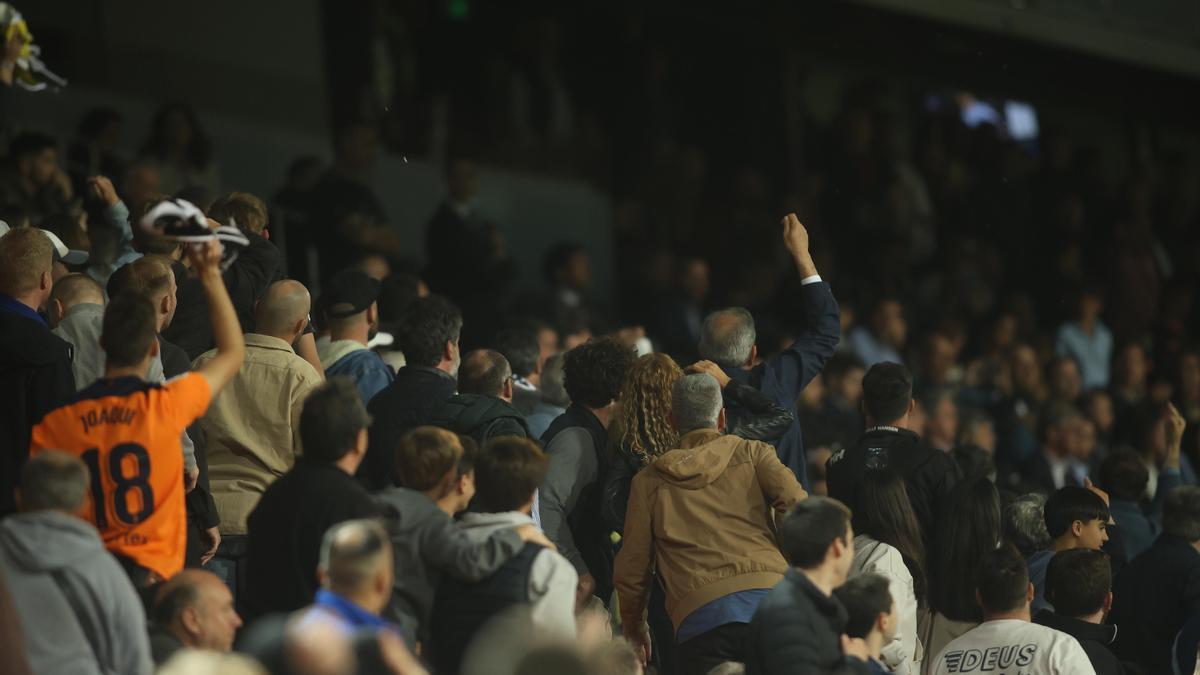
x,y
966,532
95,121
425,328
507,472
865,597
595,370
1002,580
1078,581
130,328
521,349
1070,504
887,391
331,419
1181,513
973,460
396,293
841,364
199,150
885,514
30,143
810,528
1124,476
557,258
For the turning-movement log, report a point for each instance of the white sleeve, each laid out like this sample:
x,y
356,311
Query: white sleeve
x,y
898,654
552,584
1068,658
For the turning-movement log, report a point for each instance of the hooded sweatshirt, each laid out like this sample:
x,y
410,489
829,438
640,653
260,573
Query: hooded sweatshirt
x,y
36,547
704,515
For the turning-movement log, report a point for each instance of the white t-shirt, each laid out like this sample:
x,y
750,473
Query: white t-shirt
x,y
1012,647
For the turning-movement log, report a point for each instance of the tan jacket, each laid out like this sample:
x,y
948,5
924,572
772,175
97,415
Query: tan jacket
x,y
704,515
253,426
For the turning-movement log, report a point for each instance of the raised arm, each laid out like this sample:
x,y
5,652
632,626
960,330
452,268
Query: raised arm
x,y
227,332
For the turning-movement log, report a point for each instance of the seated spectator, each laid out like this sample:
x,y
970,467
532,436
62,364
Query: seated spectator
x,y
284,531
78,611
193,610
729,340
552,400
1075,518
870,617
569,502
1160,589
1086,340
438,475
799,625
521,349
508,471
76,313
888,543
1056,466
149,535
483,407
355,571
253,427
889,444
968,530
714,574
428,335
35,364
1079,585
884,338
1025,524
1004,593
353,319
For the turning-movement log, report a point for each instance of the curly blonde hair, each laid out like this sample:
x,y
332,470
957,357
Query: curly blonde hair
x,y
643,417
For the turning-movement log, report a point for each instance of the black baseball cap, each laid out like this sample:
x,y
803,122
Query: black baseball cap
x,y
350,287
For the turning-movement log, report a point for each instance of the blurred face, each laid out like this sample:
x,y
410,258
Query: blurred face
x,y
1189,374
943,421
1091,306
695,280
578,271
1132,367
1005,333
984,436
850,386
939,357
1100,411
890,325
40,167
216,618
177,130
1085,441
1066,381
1091,534
141,185
1027,374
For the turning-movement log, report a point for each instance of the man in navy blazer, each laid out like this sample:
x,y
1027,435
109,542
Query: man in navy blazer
x,y
728,339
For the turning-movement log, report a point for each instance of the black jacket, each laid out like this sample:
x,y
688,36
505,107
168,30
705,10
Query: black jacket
x,y
408,402
480,417
797,631
761,420
257,267
35,378
1153,596
929,474
1094,638
284,534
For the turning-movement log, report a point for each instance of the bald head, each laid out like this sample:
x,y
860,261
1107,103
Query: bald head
x,y
283,310
484,372
356,562
53,480
197,607
72,290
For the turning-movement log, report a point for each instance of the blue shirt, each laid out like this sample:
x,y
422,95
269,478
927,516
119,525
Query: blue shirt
x,y
9,304
350,616
733,608
1038,562
368,370
1092,352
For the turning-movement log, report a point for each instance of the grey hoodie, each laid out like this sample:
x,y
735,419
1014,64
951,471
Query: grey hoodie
x,y
35,545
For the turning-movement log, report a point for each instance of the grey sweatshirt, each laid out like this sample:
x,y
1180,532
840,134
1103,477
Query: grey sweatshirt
x,y
425,544
33,546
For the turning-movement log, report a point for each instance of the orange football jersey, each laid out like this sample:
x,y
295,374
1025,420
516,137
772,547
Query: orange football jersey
x,y
127,432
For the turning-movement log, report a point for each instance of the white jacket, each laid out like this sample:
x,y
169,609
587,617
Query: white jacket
x,y
902,654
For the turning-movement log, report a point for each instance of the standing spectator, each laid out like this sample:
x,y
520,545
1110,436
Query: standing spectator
x,y
871,616
1160,589
889,444
253,426
428,335
1075,518
1087,340
521,349
180,151
576,443
800,626
681,512
1129,387
842,404
483,408
33,181
729,341
507,473
1025,524
353,317
94,150
889,543
438,472
78,611
76,311
249,214
150,537
1079,584
1004,593
35,364
553,400
355,569
680,316
968,530
884,339
568,271
193,610
284,531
